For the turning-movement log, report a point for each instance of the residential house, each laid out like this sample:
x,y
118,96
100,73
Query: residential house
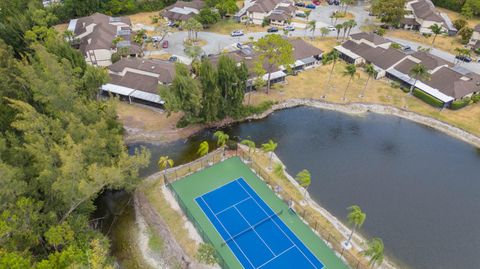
x,y
305,55
94,35
474,40
138,79
182,10
421,15
447,83
276,12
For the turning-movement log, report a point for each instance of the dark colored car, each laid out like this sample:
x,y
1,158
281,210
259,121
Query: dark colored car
x,y
173,59
311,6
300,4
463,58
272,30
165,44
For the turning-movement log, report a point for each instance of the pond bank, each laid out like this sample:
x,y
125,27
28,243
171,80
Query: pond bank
x,y
352,108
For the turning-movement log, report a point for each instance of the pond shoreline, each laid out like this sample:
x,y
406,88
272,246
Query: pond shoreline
x,y
351,108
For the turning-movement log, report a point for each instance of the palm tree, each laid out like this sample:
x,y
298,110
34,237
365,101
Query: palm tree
x,y
307,13
356,217
419,72
250,144
351,24
312,26
203,149
330,57
345,28
371,72
346,3
269,147
374,251
436,30
339,28
350,71
324,31
222,139
461,52
304,178
164,163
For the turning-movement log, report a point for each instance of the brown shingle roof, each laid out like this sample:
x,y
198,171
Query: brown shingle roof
x,y
429,60
424,9
163,69
388,58
136,81
302,49
372,37
263,6
454,84
405,66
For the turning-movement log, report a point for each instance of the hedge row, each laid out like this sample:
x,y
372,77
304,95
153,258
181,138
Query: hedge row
x,y
427,98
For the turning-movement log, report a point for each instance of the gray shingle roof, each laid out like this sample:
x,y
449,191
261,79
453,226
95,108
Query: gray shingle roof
x,y
372,37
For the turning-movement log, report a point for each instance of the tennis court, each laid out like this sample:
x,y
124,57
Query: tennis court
x,y
248,225
253,231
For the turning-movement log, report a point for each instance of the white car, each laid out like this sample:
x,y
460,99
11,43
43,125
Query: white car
x,y
237,33
289,28
331,28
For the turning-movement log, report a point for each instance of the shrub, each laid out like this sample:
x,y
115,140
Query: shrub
x,y
252,110
405,89
476,98
460,103
395,84
206,254
427,98
116,57
231,144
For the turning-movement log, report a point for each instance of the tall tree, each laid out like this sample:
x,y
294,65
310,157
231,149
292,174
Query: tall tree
x,y
389,11
208,16
350,25
418,72
374,251
164,162
332,56
346,3
269,147
251,146
312,26
355,217
232,81
273,51
436,30
371,72
324,31
227,7
339,28
304,178
350,72
222,139
183,95
211,96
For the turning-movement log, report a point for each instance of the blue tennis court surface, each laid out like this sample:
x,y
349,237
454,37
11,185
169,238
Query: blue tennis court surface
x,y
253,231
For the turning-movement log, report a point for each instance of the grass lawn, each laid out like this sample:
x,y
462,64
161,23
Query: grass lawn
x,y
227,26
144,18
442,42
455,15
61,27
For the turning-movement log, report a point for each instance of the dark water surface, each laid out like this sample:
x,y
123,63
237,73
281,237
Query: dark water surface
x,y
420,188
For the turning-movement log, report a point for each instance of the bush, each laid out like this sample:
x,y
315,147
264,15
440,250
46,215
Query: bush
x,y
460,103
476,98
206,253
405,89
395,84
252,110
231,144
116,57
427,98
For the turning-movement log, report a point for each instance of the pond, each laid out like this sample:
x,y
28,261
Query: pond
x,y
419,187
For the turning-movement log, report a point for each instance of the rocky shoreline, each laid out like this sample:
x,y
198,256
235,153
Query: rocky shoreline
x,y
351,108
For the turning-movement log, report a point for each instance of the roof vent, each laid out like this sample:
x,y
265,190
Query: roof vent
x,y
153,67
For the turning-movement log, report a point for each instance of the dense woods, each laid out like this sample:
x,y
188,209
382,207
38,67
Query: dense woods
x,y
59,146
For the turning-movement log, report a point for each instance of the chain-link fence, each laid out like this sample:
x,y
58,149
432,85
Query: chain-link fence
x,y
309,215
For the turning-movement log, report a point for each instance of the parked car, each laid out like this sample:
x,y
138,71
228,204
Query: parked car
x,y
336,2
300,4
301,14
406,48
237,33
331,28
239,45
316,2
289,28
311,6
463,58
165,44
272,30
330,2
173,59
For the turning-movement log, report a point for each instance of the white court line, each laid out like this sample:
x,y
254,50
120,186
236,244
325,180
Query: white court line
x,y
223,210
253,229
227,232
281,253
278,225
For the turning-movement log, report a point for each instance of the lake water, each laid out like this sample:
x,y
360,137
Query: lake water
x,y
419,187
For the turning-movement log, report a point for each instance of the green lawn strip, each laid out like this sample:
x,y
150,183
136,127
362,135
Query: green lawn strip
x,y
206,180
